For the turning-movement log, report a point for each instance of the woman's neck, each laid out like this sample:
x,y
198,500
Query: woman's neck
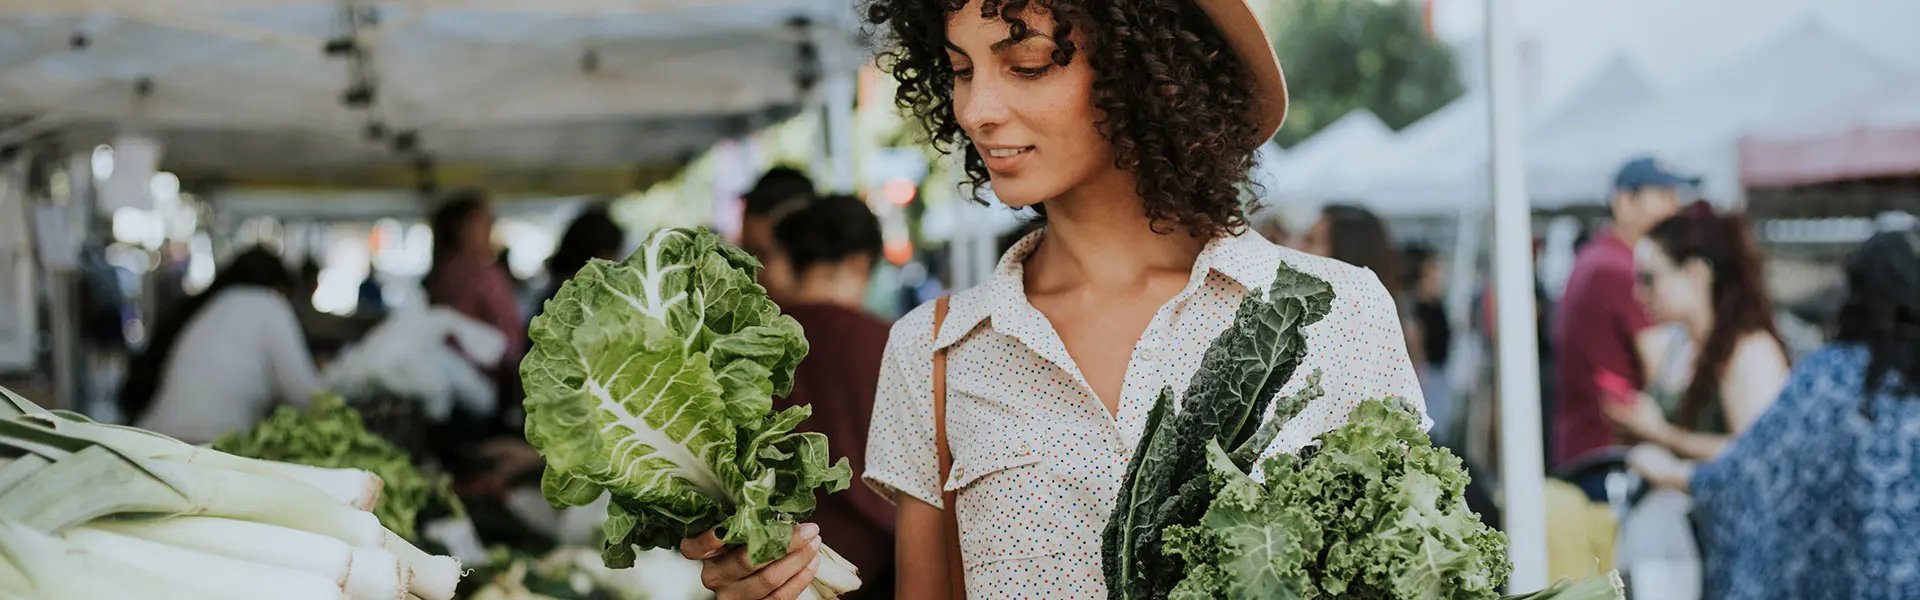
x,y
1100,236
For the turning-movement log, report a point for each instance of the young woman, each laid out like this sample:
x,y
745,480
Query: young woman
x,y
1131,126
1701,272
466,274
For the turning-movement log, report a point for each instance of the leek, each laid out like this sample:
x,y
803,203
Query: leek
x,y
89,510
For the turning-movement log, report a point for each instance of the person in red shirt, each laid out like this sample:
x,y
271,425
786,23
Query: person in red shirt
x,y
1599,315
830,246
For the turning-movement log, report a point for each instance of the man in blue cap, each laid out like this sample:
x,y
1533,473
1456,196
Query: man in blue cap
x,y
1599,316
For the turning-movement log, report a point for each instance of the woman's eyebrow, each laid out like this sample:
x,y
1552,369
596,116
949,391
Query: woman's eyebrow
x,y
954,48
1004,45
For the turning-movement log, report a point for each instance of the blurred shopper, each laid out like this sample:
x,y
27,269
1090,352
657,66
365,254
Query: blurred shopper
x,y
1821,497
1429,327
223,358
1703,272
1425,290
780,192
1598,317
1356,236
466,274
591,235
831,246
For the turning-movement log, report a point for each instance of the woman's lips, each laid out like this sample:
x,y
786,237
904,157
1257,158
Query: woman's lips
x,y
1005,159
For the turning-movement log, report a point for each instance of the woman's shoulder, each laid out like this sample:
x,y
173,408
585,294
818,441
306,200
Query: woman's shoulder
x,y
252,299
1254,261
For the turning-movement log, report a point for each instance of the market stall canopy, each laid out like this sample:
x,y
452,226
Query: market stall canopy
x,y
1697,123
556,95
1875,138
1438,165
1314,166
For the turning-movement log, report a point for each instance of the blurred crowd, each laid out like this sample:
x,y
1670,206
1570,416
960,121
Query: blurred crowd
x,y
1708,453
1689,446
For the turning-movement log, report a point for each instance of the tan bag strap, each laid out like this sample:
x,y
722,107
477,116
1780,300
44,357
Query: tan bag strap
x,y
949,516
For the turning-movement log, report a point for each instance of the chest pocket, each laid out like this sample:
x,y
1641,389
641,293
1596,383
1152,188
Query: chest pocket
x,y
1009,506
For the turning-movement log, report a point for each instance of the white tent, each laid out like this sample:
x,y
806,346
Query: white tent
x,y
236,88
1314,167
1698,123
1440,164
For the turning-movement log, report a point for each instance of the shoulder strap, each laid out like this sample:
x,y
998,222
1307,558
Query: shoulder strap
x,y
949,516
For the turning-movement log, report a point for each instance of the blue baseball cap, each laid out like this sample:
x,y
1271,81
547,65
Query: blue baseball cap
x,y
1645,171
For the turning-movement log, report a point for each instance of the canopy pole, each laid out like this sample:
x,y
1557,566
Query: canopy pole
x,y
1521,466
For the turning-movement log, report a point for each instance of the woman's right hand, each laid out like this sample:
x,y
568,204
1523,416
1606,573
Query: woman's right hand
x,y
731,574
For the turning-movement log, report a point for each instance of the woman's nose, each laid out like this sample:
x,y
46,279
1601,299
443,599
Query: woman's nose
x,y
980,105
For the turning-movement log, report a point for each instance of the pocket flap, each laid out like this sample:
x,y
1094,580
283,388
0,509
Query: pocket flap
x,y
991,456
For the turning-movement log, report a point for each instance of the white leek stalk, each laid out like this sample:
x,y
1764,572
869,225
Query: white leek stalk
x,y
219,576
68,493
51,569
245,540
377,575
352,486
434,577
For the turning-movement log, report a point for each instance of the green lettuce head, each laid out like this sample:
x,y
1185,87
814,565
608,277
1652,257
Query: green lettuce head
x,y
653,379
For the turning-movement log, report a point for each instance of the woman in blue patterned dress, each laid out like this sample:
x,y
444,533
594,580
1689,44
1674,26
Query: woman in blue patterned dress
x,y
1821,498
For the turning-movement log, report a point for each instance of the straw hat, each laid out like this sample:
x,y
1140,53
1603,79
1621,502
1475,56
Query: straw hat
x,y
1248,40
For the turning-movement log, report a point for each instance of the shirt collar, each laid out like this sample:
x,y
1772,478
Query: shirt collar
x,y
1246,259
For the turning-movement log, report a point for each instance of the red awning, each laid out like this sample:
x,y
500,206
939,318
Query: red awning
x,y
1860,153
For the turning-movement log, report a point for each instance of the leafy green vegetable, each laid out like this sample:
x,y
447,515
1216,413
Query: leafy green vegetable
x,y
652,379
1372,511
1240,374
328,433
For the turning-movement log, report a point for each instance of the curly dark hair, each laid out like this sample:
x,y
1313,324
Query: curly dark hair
x,y
1179,105
1882,311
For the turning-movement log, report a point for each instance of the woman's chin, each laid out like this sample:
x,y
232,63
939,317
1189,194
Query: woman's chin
x,y
1017,194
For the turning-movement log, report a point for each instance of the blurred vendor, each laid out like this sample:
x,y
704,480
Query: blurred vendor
x,y
782,191
223,358
828,250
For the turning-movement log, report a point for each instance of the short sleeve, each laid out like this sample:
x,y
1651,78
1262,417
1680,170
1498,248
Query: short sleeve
x,y
900,453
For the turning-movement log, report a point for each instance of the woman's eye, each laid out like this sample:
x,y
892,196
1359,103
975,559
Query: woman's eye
x,y
963,74
1032,73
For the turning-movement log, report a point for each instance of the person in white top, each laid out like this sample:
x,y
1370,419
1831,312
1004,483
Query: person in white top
x,y
1131,127
225,358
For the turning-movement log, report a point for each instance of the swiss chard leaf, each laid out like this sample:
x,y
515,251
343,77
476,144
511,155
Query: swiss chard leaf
x,y
652,380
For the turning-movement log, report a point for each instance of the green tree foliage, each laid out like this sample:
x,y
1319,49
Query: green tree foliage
x,y
1343,55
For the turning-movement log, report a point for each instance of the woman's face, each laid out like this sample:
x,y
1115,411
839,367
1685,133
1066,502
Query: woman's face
x,y
1032,121
1671,292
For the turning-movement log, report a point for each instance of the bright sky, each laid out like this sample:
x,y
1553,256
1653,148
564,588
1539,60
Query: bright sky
x,y
1670,40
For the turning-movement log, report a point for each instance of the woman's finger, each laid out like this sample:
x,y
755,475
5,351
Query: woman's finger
x,y
798,583
771,577
738,565
701,547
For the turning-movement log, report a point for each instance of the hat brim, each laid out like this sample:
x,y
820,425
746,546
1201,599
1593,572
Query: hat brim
x,y
1244,35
